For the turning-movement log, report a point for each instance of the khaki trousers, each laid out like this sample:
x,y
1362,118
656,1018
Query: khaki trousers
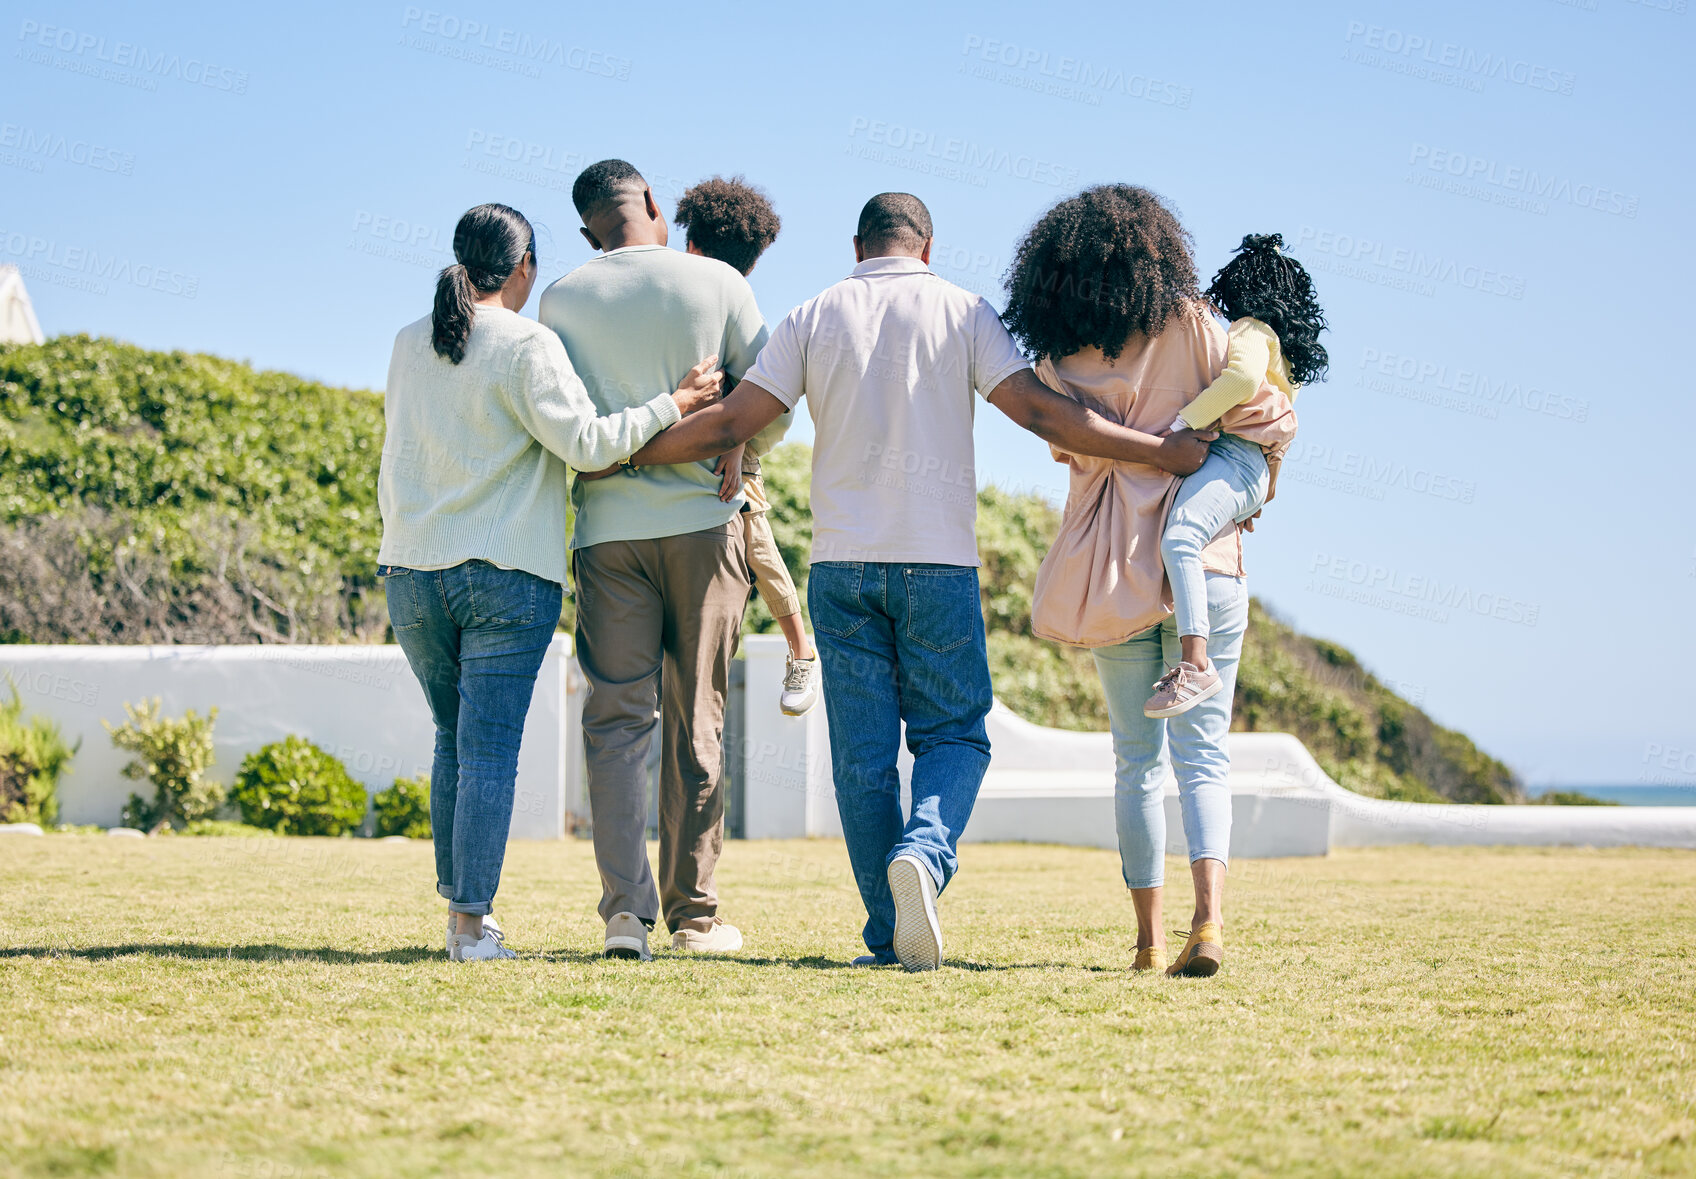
x,y
659,616
765,561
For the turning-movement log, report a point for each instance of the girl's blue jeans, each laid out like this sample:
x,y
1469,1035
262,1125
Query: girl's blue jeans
x,y
1227,489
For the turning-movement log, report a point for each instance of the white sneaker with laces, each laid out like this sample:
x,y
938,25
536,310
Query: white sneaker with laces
x,y
462,947
918,934
800,686
489,923
627,937
720,939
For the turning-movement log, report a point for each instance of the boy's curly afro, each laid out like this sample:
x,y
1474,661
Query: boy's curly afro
x,y
730,220
1107,263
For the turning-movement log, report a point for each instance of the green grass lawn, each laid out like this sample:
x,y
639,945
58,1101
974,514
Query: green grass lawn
x,y
281,1008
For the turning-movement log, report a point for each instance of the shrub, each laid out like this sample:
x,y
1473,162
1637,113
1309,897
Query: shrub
x,y
32,756
1571,798
404,808
295,788
161,497
174,755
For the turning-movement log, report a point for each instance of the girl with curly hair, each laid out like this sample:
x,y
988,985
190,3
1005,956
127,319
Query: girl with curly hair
x,y
1103,294
1274,337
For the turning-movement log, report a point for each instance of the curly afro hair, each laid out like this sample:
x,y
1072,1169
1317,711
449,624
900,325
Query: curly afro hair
x,y
1264,282
1097,268
730,220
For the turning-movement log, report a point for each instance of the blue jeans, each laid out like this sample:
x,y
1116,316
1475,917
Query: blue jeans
x,y
901,643
475,636
1228,488
1197,739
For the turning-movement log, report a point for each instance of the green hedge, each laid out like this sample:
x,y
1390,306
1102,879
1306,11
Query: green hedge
x,y
246,502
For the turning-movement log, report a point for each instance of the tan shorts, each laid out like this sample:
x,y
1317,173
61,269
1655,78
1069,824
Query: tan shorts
x,y
771,575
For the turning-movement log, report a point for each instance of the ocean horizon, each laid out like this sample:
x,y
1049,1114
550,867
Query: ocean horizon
x,y
1638,794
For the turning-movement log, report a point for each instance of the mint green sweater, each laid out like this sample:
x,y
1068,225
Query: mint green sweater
x,y
475,454
634,319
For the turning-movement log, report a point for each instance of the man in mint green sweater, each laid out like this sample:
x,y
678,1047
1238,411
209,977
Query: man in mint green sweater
x,y
660,570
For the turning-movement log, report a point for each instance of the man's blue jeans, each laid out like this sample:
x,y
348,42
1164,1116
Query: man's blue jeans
x,y
475,636
901,643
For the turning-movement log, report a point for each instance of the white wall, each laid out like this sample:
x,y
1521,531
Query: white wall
x,y
359,702
1044,785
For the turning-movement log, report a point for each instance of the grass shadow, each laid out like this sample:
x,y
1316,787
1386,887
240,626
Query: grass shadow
x,y
251,953
407,955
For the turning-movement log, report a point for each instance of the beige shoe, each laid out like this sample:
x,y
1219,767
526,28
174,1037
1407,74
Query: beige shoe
x,y
1150,958
720,939
1203,954
1182,688
627,937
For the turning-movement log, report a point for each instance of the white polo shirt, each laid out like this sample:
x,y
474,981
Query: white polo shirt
x,y
888,360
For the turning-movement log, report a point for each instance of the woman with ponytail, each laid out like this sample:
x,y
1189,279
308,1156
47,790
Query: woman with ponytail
x,y
484,414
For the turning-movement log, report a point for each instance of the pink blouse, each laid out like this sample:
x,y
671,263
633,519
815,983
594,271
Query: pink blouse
x,y
1103,581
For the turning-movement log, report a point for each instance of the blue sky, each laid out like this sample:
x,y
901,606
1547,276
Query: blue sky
x,y
1487,500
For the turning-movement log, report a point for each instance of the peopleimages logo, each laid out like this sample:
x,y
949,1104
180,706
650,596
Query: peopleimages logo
x,y
1394,48
130,56
1070,77
1376,261
1463,170
1387,586
473,41
955,158
1471,383
40,255
1373,471
50,145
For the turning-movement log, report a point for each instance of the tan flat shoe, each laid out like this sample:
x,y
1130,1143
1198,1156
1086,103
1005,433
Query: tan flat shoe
x,y
1203,953
1150,958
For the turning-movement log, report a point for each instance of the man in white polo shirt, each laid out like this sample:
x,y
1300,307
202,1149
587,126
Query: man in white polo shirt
x,y
887,360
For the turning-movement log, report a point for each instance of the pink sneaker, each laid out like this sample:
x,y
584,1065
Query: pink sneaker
x,y
1181,689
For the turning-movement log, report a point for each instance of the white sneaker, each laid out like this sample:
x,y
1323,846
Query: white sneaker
x,y
462,947
489,923
918,936
800,687
627,937
720,939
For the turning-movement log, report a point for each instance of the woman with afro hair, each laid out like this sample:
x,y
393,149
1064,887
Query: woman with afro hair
x,y
1104,296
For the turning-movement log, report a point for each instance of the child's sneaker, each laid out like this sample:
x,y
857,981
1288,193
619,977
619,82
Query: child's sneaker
x,y
800,686
1181,689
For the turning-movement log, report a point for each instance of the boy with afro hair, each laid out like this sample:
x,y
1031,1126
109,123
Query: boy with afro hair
x,y
734,222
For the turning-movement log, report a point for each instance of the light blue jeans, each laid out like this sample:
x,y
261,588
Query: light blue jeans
x,y
1196,738
1228,488
901,643
475,636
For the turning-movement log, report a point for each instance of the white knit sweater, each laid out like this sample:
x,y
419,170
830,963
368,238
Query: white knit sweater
x,y
475,454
